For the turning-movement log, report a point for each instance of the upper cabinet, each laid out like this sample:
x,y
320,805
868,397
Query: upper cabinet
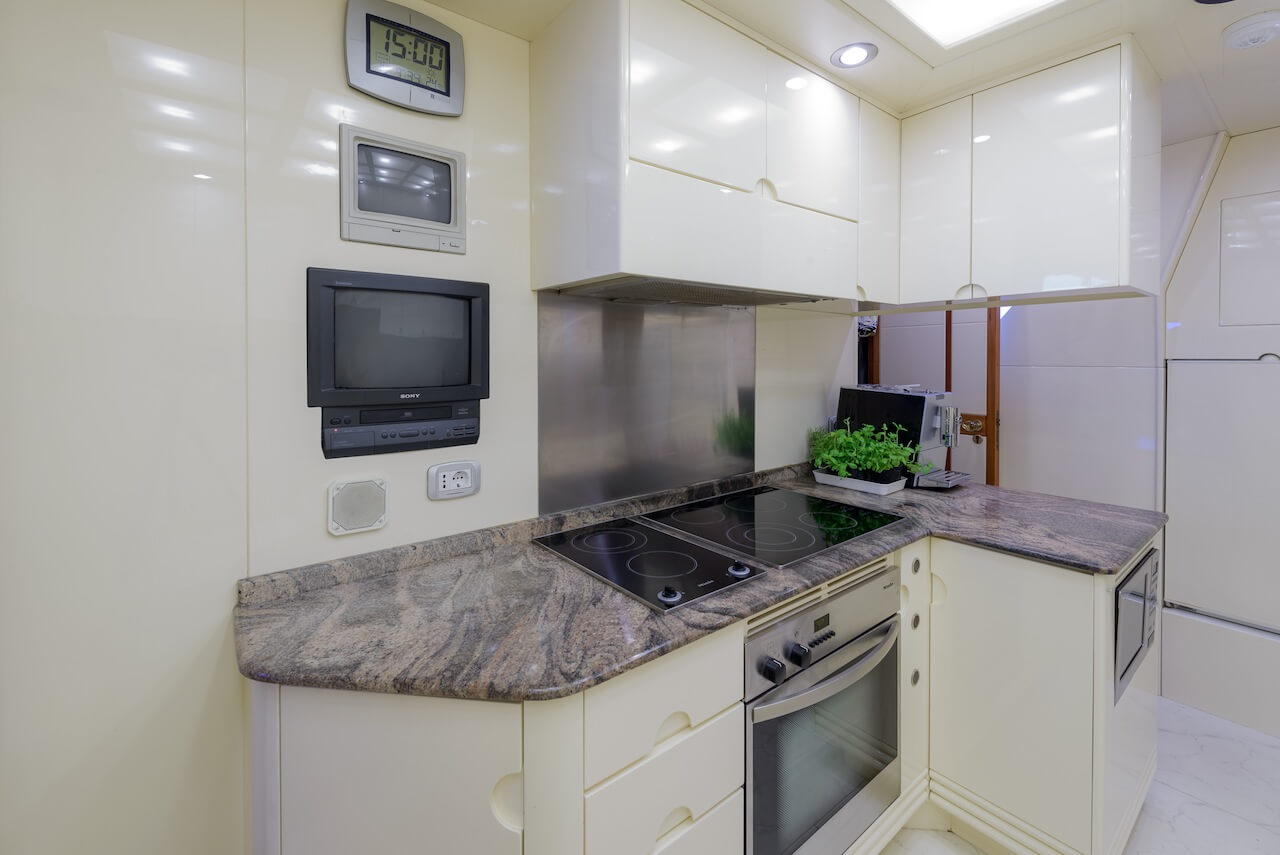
x,y
879,177
1045,185
670,150
937,203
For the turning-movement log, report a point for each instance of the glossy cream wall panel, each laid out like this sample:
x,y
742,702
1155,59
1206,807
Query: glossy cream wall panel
x,y
697,94
296,97
802,360
1182,167
1046,187
1250,260
1221,668
879,203
1195,324
1221,555
370,772
813,141
936,203
122,341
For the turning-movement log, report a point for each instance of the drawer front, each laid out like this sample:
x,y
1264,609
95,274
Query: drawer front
x,y
684,780
720,832
627,718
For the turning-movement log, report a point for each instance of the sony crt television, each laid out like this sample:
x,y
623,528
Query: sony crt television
x,y
395,363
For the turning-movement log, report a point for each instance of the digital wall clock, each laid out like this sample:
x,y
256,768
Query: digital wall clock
x,y
404,57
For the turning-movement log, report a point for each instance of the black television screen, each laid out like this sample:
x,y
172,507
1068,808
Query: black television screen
x,y
384,339
378,339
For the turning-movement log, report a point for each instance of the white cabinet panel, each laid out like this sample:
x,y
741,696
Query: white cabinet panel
x,y
627,815
1011,700
1250,260
806,246
913,697
697,94
879,195
1046,180
812,140
1221,558
936,203
400,764
720,832
626,717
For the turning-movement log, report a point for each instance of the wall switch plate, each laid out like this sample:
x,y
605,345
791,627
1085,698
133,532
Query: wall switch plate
x,y
453,480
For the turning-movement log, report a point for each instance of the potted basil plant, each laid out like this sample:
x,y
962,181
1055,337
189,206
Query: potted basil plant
x,y
871,459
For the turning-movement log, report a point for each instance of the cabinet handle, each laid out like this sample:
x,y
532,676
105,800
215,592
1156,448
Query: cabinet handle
x,y
915,621
915,565
915,677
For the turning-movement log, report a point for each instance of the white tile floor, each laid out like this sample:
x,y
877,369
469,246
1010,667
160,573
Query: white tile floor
x,y
1216,792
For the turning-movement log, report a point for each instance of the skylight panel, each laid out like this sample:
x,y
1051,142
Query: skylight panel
x,y
950,22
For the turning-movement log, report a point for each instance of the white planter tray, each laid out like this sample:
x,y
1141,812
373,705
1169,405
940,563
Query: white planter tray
x,y
859,484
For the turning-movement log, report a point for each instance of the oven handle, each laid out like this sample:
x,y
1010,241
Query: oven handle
x,y
835,683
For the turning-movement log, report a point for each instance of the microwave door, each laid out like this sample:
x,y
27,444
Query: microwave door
x,y
1131,626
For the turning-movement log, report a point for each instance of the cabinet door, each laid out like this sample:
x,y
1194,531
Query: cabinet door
x,y
1046,179
913,693
936,203
879,194
697,91
371,773
1011,688
811,147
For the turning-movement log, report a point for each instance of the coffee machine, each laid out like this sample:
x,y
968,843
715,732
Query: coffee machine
x,y
929,419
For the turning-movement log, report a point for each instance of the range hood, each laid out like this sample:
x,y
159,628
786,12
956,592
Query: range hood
x,y
650,290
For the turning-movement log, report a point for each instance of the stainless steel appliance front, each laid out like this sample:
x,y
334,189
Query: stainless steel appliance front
x,y
822,722
1137,600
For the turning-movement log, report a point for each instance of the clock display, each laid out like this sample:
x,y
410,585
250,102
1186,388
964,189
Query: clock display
x,y
402,53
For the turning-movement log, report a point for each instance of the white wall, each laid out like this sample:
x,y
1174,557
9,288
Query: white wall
x,y
802,359
122,341
295,92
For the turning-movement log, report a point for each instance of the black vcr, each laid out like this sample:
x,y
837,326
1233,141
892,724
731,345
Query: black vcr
x,y
353,431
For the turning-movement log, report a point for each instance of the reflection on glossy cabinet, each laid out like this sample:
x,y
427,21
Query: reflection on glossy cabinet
x,y
812,140
879,180
697,93
936,203
1046,180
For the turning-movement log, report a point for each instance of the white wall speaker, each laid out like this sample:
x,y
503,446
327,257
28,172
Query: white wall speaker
x,y
357,506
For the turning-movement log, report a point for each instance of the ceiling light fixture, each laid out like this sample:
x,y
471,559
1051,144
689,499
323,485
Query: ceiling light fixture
x,y
851,56
949,23
1254,31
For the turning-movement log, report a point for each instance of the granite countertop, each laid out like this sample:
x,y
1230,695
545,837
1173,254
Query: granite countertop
x,y
489,615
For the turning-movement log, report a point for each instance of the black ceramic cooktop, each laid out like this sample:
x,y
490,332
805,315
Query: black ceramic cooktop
x,y
770,526
652,565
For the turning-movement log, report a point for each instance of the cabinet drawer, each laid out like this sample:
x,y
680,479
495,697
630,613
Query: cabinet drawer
x,y
685,779
720,832
626,718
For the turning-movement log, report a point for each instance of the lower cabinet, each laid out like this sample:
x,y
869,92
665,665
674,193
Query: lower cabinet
x,y
913,691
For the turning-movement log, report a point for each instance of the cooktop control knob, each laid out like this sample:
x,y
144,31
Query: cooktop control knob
x,y
738,570
670,595
773,670
799,654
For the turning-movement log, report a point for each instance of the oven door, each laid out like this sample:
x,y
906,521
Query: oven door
x,y
822,750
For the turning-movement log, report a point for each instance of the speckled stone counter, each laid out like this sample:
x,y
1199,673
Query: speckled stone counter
x,y
489,615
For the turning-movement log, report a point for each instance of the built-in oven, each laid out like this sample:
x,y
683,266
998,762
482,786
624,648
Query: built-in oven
x,y
822,721
1137,602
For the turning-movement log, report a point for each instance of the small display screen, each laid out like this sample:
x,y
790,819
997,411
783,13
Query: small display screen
x,y
395,339
822,623
403,53
403,184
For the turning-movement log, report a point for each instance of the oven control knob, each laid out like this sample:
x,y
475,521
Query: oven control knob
x,y
738,570
773,670
799,654
670,595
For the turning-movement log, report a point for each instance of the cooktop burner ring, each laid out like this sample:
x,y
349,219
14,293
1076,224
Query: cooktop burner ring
x,y
698,516
820,519
609,541
776,536
756,503
680,558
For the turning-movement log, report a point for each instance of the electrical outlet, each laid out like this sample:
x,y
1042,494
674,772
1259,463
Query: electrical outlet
x,y
453,480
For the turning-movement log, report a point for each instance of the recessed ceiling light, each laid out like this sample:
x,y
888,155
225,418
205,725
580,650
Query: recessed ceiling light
x,y
851,56
1254,31
949,23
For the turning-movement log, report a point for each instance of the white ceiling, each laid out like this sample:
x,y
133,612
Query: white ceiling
x,y
1207,87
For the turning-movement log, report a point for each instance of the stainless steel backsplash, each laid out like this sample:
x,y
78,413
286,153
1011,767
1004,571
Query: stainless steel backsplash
x,y
635,398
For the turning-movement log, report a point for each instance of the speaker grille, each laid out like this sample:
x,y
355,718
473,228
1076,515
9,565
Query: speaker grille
x,y
357,506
